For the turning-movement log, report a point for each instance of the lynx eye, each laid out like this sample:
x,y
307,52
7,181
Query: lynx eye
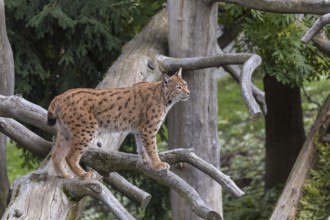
x,y
179,87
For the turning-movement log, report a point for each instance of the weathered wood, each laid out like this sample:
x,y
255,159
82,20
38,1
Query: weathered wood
x,y
287,203
25,138
285,6
7,78
132,192
80,189
194,123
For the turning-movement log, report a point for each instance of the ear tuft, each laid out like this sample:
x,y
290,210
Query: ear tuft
x,y
179,73
166,79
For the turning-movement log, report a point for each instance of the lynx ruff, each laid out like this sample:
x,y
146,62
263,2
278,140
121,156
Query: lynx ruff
x,y
139,109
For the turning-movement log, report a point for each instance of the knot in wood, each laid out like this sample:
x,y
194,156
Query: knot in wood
x,y
94,187
2,124
17,213
151,65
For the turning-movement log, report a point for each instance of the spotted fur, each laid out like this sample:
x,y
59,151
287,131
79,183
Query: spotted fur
x,y
139,109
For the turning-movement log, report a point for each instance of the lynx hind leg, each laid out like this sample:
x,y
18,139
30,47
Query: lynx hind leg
x,y
144,158
81,138
150,145
60,150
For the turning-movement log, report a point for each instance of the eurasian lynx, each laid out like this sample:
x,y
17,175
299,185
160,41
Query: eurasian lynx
x,y
139,109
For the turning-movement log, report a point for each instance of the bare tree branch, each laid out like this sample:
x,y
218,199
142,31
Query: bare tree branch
x,y
250,61
132,162
24,137
104,163
188,156
132,192
287,6
235,72
79,189
169,64
316,34
316,27
258,94
18,108
245,81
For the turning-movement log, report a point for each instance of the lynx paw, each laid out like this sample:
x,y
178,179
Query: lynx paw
x,y
162,166
88,175
67,176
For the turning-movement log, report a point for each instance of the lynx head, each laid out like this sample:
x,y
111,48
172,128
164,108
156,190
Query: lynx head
x,y
175,88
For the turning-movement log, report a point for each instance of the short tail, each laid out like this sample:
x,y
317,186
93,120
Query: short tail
x,y
52,113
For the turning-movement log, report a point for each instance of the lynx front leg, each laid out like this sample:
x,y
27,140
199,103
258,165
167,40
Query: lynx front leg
x,y
150,145
60,150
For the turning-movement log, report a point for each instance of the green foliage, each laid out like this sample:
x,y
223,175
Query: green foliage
x,y
242,155
16,164
61,44
242,149
315,202
276,38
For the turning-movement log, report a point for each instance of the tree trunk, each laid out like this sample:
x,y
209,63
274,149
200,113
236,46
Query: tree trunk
x,y
287,203
285,132
194,123
6,88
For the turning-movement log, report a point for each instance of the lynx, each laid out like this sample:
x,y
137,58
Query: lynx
x,y
139,109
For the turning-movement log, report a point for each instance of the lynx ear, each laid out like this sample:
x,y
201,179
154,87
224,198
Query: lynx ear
x,y
166,79
179,73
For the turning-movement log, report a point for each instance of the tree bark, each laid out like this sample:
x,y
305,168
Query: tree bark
x,y
6,88
194,123
285,132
